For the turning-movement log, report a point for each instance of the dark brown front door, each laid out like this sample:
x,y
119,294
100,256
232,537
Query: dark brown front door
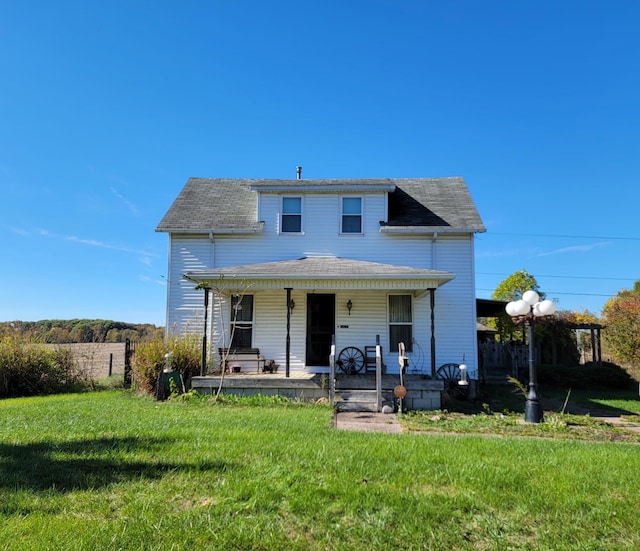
x,y
321,314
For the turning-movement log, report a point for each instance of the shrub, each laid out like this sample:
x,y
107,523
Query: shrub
x,y
28,369
150,360
588,376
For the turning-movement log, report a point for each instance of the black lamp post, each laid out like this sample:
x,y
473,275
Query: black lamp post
x,y
526,310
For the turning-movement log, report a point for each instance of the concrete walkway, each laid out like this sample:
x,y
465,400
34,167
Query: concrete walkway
x,y
367,422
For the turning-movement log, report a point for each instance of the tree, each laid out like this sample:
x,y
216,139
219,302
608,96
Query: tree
x,y
512,288
80,330
555,337
621,316
57,335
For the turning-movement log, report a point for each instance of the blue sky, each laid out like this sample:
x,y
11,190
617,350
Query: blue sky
x,y
107,108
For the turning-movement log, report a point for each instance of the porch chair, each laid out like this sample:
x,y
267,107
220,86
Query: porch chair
x,y
370,359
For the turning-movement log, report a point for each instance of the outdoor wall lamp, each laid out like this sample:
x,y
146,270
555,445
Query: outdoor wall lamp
x,y
349,306
527,310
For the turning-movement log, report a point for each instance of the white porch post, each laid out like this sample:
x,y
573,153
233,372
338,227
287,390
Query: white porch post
x,y
288,342
378,375
203,366
432,293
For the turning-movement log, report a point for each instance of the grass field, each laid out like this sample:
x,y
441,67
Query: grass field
x,y
110,470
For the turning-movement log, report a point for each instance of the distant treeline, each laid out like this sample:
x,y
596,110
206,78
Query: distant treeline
x,y
80,330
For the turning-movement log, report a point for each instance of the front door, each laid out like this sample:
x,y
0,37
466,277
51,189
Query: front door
x,y
321,314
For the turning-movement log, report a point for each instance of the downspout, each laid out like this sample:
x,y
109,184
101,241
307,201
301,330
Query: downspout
x,y
432,298
332,370
378,375
434,251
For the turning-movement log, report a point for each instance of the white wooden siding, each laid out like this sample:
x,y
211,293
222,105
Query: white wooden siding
x,y
272,322
454,302
367,319
185,304
455,308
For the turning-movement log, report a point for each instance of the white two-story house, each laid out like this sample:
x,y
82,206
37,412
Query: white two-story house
x,y
290,266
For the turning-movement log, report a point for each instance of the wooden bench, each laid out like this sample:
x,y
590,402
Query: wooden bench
x,y
240,356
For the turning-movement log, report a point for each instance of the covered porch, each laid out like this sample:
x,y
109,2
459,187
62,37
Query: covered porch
x,y
422,393
326,288
305,312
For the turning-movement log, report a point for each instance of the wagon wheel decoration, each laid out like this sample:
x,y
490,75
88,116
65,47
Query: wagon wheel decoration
x,y
350,360
451,375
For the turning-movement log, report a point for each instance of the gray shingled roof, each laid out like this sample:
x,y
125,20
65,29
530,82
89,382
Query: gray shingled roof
x,y
221,204
206,204
433,202
325,266
321,268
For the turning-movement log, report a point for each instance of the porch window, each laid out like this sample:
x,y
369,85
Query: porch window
x,y
291,215
241,321
351,215
400,322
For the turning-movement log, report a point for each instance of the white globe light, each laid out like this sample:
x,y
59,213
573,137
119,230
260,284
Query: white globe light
x,y
521,307
547,307
531,297
510,308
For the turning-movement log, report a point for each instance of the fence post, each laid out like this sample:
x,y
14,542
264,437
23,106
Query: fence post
x,y
127,363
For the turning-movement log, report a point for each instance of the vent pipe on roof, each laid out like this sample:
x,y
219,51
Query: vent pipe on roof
x,y
299,172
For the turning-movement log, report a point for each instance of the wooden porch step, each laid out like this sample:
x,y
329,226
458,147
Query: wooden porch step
x,y
497,375
360,400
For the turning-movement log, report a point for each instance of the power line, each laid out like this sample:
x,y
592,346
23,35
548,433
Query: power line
x,y
567,276
562,293
616,238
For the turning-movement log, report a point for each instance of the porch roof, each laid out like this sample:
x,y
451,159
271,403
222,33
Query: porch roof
x,y
321,272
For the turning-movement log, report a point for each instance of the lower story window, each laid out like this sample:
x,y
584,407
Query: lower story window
x,y
241,321
400,322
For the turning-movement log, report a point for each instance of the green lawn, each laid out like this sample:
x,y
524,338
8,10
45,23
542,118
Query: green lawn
x,y
110,470
576,415
607,401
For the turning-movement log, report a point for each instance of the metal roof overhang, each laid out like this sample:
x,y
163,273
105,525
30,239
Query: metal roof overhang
x,y
320,273
258,227
486,308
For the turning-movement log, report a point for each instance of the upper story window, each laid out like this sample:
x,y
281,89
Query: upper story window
x,y
351,215
291,215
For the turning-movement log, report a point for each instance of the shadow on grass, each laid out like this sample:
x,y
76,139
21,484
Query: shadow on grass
x,y
507,398
582,402
87,464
